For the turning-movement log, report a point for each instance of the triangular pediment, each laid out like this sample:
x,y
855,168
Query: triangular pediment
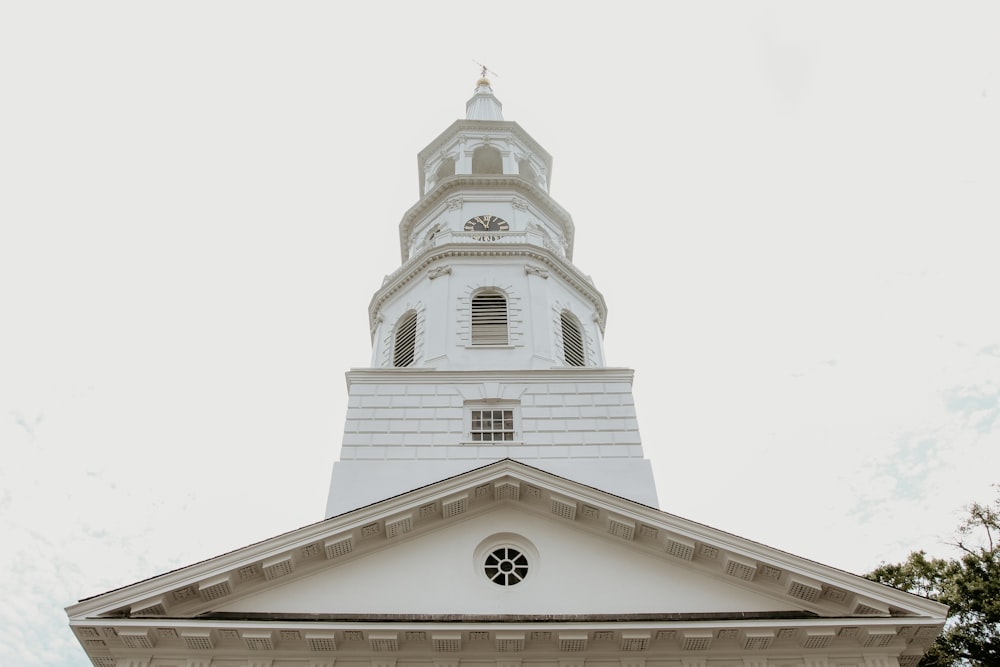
x,y
508,542
556,569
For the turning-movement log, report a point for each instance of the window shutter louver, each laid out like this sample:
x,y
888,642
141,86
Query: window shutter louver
x,y
406,335
489,319
572,341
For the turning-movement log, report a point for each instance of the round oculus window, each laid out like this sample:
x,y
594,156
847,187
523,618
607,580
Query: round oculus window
x,y
506,566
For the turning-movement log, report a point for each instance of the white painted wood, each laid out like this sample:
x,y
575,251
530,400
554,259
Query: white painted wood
x,y
573,573
395,575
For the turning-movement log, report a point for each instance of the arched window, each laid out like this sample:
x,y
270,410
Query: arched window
x,y
405,341
489,318
572,338
487,160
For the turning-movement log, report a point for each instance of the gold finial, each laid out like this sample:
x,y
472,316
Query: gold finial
x,y
483,81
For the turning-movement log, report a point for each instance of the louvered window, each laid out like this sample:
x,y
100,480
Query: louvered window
x,y
572,339
489,319
406,335
492,425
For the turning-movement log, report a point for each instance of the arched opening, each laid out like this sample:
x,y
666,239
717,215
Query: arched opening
x,y
404,345
489,318
572,338
446,169
487,160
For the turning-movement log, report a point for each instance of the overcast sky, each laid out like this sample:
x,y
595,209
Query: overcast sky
x,y
791,208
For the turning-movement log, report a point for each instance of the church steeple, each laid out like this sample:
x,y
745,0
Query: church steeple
x,y
483,105
487,341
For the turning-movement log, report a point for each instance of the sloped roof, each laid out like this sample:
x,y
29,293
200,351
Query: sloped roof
x,y
599,571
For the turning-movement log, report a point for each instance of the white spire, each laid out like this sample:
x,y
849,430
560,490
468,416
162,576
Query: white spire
x,y
483,106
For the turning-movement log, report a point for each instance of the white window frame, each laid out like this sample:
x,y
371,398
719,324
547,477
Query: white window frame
x,y
411,341
488,320
568,318
474,412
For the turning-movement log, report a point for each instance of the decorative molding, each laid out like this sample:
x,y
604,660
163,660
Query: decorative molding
x,y
553,246
452,186
502,473
389,338
562,268
453,203
536,271
515,321
438,271
519,204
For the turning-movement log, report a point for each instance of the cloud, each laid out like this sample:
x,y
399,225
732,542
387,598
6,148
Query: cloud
x,y
978,405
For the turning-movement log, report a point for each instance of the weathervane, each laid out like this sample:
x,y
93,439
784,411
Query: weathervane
x,y
485,70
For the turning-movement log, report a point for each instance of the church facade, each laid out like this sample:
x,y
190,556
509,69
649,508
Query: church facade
x,y
492,504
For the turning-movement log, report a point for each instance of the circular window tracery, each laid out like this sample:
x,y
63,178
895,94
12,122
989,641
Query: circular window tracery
x,y
506,566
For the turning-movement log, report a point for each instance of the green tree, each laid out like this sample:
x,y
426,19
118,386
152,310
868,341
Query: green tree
x,y
969,584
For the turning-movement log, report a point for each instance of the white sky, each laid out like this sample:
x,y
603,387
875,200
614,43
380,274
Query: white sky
x,y
791,208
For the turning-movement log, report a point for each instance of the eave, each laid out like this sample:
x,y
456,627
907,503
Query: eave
x,y
499,639
812,588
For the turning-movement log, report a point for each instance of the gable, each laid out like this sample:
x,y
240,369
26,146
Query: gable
x,y
406,578
569,571
590,546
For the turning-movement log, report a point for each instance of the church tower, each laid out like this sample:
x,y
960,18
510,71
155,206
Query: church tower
x,y
487,340
492,506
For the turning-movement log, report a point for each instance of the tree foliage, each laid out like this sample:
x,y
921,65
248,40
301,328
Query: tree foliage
x,y
969,584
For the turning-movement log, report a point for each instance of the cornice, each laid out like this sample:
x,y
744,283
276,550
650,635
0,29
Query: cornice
x,y
533,376
449,186
124,615
500,126
510,642
416,266
653,531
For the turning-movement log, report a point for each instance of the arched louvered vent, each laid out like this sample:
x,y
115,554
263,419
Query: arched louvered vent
x,y
487,160
406,336
489,319
572,340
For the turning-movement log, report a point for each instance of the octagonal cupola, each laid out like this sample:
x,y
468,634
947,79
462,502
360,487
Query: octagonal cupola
x,y
483,165
483,144
486,242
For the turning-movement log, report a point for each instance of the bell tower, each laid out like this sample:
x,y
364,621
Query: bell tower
x,y
487,341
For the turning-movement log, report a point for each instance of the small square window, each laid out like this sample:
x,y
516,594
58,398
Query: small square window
x,y
492,425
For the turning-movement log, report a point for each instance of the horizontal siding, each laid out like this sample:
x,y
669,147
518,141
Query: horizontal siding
x,y
426,421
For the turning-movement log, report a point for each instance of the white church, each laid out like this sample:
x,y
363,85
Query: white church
x,y
492,505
